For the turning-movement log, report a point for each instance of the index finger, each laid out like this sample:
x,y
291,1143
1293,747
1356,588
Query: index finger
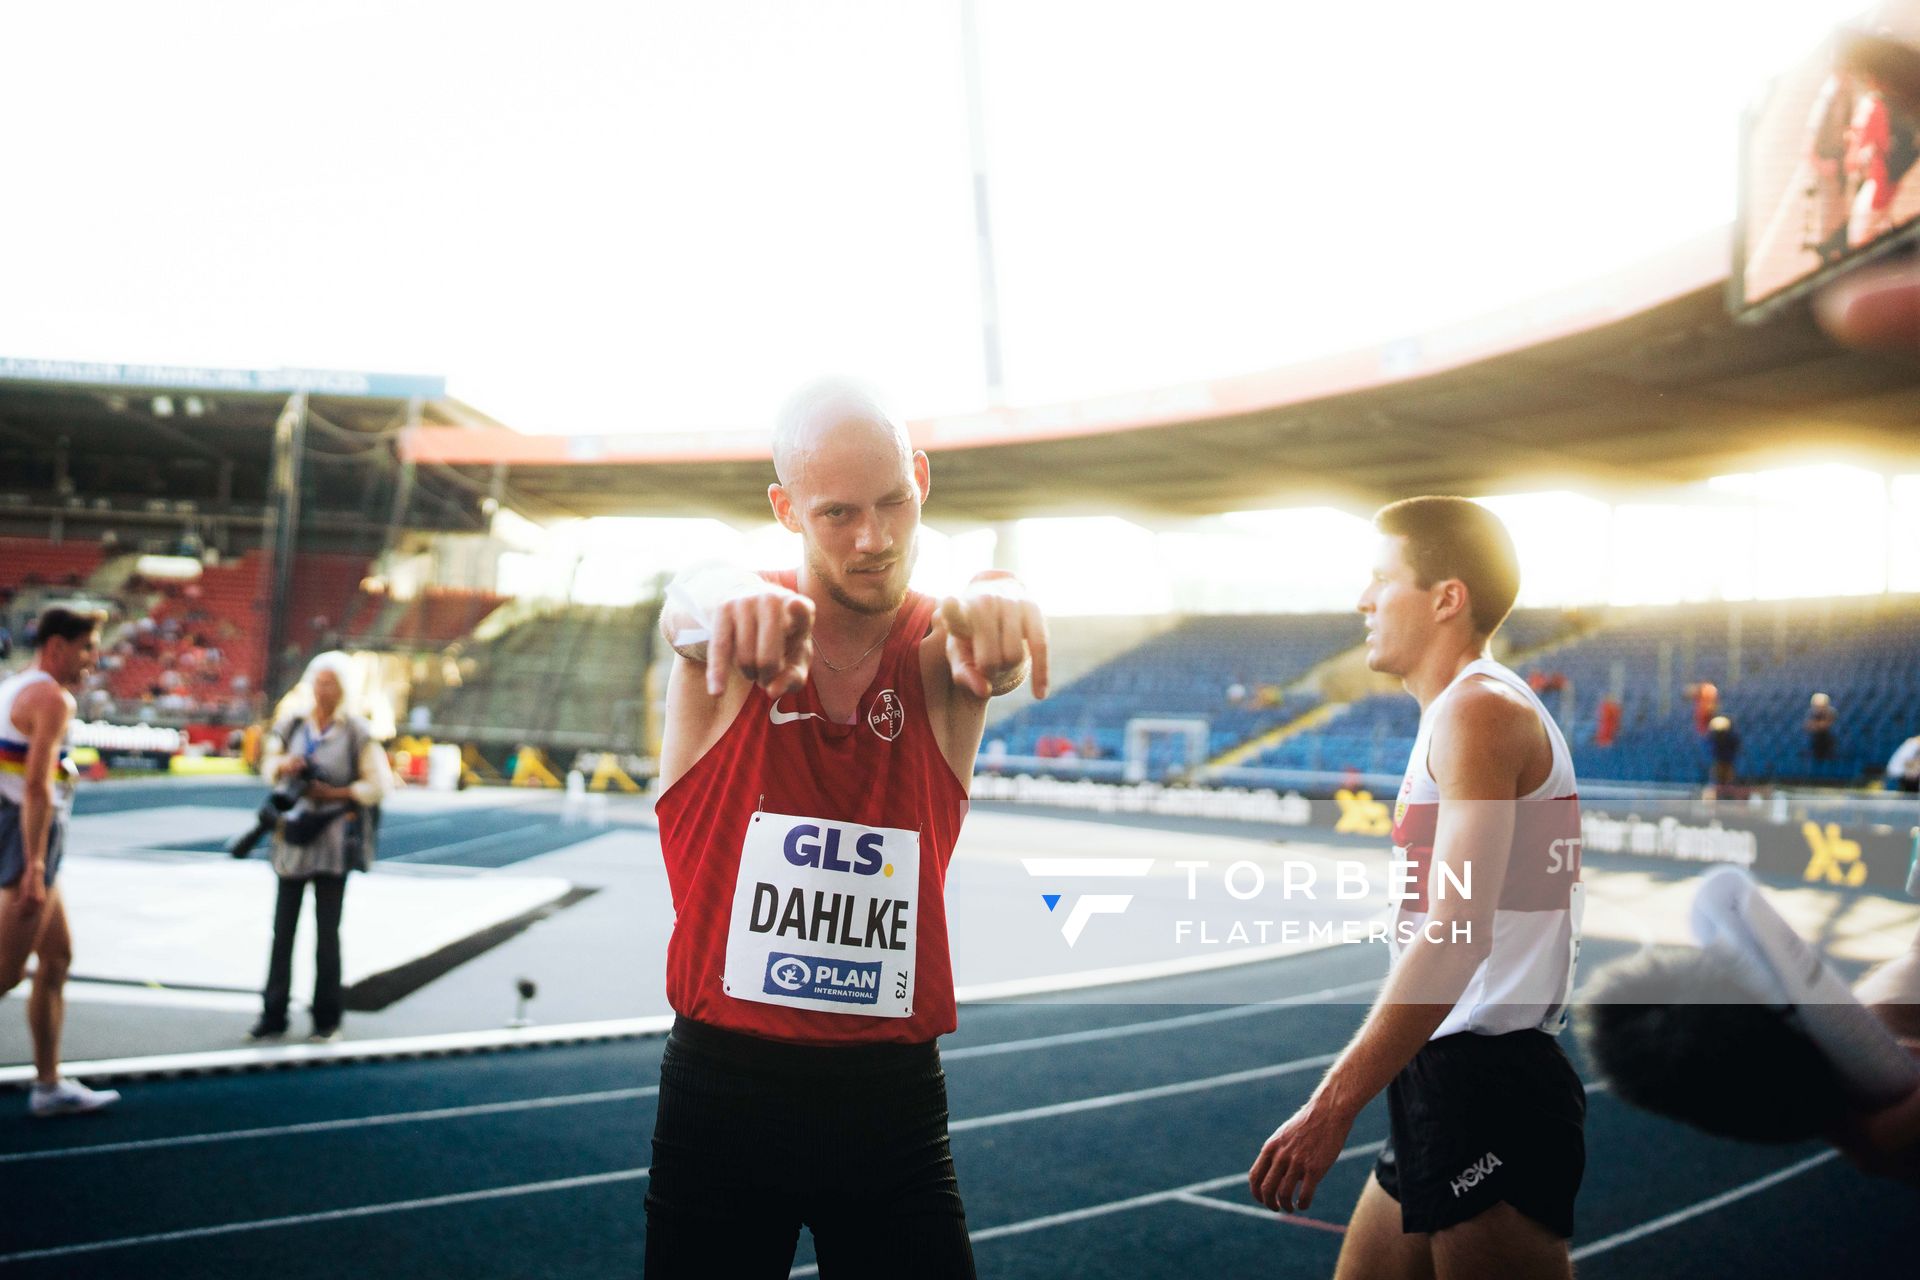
x,y
1258,1174
954,614
719,651
1036,631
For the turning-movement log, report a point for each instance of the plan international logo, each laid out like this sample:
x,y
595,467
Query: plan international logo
x,y
1087,905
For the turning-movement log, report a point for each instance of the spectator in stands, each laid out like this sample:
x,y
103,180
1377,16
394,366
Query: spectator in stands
x,y
1723,741
6,642
1903,768
1606,729
1547,681
329,833
1820,721
1706,704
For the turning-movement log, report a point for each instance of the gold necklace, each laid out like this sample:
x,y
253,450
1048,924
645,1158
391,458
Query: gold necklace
x,y
833,666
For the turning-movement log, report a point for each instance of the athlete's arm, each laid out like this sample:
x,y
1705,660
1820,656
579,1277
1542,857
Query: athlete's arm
x,y
982,645
1481,747
721,617
729,630
991,634
43,710
1885,1142
1892,991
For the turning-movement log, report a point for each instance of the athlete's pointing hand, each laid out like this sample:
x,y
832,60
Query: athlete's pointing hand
x,y
764,632
990,630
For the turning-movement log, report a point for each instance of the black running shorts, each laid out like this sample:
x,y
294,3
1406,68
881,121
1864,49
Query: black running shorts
x,y
13,851
754,1138
1477,1120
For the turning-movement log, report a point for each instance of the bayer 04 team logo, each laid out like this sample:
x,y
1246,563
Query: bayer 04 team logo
x,y
887,716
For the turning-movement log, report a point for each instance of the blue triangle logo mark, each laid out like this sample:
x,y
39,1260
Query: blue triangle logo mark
x,y
1051,899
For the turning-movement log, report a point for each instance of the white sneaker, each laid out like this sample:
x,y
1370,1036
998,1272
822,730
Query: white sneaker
x,y
69,1098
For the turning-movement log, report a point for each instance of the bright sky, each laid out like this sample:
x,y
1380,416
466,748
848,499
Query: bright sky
x,y
620,217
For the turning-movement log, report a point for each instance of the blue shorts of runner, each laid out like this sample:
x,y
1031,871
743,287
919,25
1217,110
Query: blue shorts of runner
x,y
1479,1120
13,852
754,1138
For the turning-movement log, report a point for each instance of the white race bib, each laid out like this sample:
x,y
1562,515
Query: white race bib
x,y
825,916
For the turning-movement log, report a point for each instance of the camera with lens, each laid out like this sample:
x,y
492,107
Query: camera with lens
x,y
282,798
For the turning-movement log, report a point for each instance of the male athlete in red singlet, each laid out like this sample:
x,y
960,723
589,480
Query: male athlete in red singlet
x,y
1486,1149
821,731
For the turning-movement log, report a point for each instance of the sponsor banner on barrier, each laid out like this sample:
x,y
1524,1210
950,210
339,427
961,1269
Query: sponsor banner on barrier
x,y
1847,856
1824,853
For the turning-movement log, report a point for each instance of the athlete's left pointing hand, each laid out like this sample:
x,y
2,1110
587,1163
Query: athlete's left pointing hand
x,y
990,629
1297,1156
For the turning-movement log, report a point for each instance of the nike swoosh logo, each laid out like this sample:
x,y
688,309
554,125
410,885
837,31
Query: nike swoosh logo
x,y
775,714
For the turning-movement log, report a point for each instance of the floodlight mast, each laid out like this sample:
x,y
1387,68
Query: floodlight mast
x,y
283,533
982,214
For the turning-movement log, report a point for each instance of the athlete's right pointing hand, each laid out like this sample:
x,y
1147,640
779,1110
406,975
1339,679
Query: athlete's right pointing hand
x,y
766,634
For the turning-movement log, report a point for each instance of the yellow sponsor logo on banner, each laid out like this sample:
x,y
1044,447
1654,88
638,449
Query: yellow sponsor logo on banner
x,y
1835,859
1361,814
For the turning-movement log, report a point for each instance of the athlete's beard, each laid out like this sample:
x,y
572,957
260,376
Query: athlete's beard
x,y
896,592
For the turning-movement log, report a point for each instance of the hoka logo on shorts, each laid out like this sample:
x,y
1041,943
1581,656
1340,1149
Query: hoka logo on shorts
x,y
1473,1174
818,978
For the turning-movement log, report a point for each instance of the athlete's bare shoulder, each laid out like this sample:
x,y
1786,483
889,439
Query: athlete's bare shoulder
x,y
43,707
1486,738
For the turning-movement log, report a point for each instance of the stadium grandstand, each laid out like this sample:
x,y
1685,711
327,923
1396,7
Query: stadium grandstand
x,y
281,513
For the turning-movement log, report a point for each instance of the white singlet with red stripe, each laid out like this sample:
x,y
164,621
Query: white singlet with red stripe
x,y
1525,980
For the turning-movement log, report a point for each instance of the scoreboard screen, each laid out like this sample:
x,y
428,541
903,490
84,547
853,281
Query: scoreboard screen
x,y
1828,173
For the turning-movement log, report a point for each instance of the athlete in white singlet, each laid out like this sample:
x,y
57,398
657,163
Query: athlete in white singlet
x,y
1487,1115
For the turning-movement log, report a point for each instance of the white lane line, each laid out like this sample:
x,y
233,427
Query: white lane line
x,y
330,1215
438,1043
1255,1211
1160,1024
621,1094
1048,1221
1117,1206
1705,1206
333,1126
1105,1100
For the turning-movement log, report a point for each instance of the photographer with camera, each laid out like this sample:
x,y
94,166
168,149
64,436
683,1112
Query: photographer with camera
x,y
329,776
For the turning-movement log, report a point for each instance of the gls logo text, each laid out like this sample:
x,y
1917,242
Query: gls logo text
x,y
1089,905
806,846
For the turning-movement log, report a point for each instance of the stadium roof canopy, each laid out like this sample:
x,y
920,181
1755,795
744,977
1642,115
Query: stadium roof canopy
x,y
1626,386
133,443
